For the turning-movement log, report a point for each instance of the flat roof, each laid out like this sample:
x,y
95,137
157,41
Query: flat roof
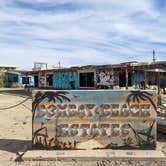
x,y
7,66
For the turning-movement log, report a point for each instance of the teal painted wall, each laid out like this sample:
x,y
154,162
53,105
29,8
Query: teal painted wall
x,y
20,80
31,80
137,78
65,80
163,81
11,79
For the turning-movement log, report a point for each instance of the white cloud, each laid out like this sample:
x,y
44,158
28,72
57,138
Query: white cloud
x,y
101,32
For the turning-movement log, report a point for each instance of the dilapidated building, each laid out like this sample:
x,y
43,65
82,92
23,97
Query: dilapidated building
x,y
124,75
7,75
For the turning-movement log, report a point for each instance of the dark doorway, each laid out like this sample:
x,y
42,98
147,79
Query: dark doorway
x,y
122,79
36,81
25,80
129,79
87,79
50,80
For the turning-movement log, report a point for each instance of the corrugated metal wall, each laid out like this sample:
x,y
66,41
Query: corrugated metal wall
x,y
65,80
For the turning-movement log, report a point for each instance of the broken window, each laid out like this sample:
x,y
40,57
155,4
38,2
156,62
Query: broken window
x,y
25,80
15,79
86,79
50,80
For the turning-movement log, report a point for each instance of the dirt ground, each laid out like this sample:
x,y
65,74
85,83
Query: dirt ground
x,y
15,135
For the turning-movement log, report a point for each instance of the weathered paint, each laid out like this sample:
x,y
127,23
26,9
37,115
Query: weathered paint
x,y
31,79
42,79
65,80
163,81
138,77
20,80
94,119
11,79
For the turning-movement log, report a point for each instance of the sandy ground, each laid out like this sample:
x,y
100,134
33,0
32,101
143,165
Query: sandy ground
x,y
15,135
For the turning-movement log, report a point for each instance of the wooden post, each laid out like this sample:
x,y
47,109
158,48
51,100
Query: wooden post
x,y
158,82
158,88
126,78
145,78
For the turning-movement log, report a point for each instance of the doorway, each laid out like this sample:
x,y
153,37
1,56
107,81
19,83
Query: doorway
x,y
50,80
36,79
122,79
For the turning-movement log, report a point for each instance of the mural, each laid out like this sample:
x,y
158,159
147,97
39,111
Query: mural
x,y
42,81
138,80
91,119
105,79
65,80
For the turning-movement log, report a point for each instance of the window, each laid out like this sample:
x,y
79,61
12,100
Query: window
x,y
86,79
25,80
49,80
15,79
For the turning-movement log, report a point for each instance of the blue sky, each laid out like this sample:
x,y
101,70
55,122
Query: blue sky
x,y
81,32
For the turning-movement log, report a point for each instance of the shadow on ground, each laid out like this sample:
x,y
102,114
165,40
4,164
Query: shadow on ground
x,y
14,145
161,137
17,91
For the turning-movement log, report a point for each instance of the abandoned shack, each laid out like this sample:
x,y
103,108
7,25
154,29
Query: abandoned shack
x,y
123,75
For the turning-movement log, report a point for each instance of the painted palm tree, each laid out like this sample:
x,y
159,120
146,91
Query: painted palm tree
x,y
137,96
149,138
39,134
59,96
140,95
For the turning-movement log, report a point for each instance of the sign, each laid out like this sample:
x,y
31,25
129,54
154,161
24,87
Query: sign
x,y
94,119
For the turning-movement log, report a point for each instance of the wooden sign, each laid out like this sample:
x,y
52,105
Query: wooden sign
x,y
94,119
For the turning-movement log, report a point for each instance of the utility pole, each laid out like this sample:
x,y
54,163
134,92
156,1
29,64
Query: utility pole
x,y
154,57
59,63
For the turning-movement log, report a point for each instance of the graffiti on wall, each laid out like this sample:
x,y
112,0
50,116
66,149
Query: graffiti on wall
x,y
105,79
94,119
42,81
65,80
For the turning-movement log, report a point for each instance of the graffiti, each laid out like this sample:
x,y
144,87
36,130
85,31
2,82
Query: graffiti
x,y
42,81
105,79
94,119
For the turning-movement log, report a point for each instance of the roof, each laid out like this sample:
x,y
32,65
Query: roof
x,y
131,65
7,66
50,70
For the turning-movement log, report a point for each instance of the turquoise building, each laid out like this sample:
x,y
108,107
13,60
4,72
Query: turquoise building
x,y
25,80
65,80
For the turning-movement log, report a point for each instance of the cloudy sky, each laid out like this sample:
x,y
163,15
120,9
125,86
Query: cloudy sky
x,y
81,32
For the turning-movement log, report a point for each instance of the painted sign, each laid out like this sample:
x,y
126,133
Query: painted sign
x,y
94,119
